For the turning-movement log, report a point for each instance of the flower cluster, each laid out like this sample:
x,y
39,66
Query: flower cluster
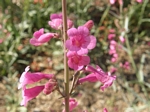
x,y
78,44
30,78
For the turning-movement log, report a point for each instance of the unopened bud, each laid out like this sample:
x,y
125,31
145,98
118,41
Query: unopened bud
x,y
89,24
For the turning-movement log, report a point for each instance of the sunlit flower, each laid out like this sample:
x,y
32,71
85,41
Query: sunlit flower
x,y
139,1
49,86
105,110
126,65
98,75
30,78
112,1
113,70
39,37
122,39
76,61
29,94
56,21
80,40
111,36
89,24
72,104
1,41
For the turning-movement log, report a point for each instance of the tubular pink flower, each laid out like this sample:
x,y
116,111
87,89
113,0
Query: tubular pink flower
x,y
29,94
72,104
112,42
1,41
113,70
126,65
112,31
90,78
56,16
56,24
120,2
89,24
112,51
80,40
56,21
122,39
105,110
148,43
41,38
139,1
111,36
76,61
29,78
113,59
112,47
105,78
112,1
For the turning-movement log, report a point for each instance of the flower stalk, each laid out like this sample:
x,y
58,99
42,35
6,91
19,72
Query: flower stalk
x,y
66,69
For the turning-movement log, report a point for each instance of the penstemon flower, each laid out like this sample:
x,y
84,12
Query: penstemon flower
x,y
30,78
29,94
98,75
80,40
76,48
56,21
40,37
76,61
72,104
105,110
139,1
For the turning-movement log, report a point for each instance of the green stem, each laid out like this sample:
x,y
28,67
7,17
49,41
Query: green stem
x,y
130,54
129,51
66,69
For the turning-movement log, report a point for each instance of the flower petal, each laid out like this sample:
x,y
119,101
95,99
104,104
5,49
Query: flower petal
x,y
29,94
92,43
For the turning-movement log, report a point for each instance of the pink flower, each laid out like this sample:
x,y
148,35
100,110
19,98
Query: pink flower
x,y
98,75
49,86
148,43
112,1
120,2
89,78
122,39
89,24
112,42
139,1
40,37
105,110
113,59
76,61
111,36
111,30
29,94
72,104
1,41
30,78
113,70
112,51
56,21
80,40
112,47
126,65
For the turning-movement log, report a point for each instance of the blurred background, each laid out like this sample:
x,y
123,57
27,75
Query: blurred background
x,y
122,29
